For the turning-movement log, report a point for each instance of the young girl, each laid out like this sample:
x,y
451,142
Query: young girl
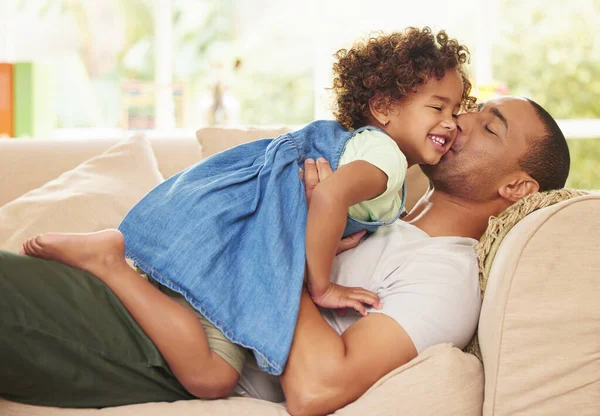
x,y
228,235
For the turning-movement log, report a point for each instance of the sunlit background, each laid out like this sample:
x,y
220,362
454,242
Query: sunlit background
x,y
173,66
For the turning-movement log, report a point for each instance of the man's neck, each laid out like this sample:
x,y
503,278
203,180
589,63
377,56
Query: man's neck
x,y
440,214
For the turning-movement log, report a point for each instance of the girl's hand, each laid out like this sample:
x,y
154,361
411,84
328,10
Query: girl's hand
x,y
341,297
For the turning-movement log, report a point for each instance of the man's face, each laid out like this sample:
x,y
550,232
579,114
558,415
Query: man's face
x,y
486,150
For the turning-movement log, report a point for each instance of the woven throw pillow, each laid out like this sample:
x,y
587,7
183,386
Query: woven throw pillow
x,y
92,196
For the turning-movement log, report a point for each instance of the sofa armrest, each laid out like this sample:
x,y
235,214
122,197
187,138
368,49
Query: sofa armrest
x,y
539,326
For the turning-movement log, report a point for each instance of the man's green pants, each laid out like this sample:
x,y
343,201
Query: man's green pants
x,y
66,340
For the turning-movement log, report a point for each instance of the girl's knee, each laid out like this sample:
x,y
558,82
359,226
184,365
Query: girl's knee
x,y
215,384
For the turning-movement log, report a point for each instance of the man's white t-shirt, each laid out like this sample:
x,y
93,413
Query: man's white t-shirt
x,y
430,286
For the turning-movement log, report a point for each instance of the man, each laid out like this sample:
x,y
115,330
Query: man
x,y
428,286
510,148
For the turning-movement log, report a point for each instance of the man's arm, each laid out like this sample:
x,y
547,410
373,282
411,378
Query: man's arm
x,y
326,371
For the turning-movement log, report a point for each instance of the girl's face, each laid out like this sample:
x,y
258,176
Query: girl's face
x,y
423,124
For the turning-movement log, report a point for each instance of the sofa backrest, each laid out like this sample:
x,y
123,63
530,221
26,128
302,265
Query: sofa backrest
x,y
217,139
26,164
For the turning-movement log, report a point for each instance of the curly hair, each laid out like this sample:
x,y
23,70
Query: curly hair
x,y
386,68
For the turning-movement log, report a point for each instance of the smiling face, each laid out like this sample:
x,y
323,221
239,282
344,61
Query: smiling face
x,y
486,152
423,123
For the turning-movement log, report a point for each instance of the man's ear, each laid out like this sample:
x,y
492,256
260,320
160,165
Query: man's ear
x,y
518,187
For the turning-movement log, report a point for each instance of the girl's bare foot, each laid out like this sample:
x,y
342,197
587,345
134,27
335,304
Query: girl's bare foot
x,y
96,252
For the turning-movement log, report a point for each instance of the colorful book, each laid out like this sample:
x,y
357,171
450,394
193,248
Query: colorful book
x,y
34,100
6,100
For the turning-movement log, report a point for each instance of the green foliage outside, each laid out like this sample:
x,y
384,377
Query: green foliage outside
x,y
551,53
585,164
276,99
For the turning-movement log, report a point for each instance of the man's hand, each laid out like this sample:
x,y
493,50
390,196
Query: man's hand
x,y
350,242
314,173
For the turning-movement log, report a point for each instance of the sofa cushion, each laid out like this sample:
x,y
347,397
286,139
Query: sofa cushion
x,y
539,326
27,164
216,139
92,196
441,381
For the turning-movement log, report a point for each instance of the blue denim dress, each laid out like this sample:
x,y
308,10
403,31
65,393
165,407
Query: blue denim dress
x,y
229,234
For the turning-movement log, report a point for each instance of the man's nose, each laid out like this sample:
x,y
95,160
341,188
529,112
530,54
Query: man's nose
x,y
462,122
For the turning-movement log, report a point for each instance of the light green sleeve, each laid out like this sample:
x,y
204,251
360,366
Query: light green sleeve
x,y
378,149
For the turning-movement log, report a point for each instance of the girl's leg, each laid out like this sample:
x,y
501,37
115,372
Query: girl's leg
x,y
66,340
102,254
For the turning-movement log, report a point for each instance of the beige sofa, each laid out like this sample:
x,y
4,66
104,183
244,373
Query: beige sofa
x,y
540,320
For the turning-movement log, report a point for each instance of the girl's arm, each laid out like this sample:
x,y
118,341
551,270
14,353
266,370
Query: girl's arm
x,y
326,371
352,183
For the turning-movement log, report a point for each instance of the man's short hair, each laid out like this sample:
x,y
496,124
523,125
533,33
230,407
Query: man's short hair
x,y
547,160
